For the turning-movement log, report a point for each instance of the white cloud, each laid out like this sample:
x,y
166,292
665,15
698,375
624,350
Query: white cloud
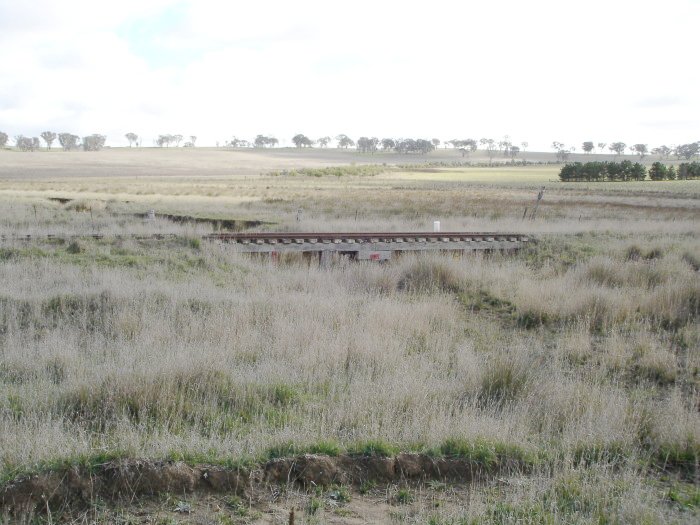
x,y
537,71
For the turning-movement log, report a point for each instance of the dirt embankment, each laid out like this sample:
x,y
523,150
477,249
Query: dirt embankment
x,y
126,480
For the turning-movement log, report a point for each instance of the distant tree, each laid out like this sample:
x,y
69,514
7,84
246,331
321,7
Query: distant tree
x,y
133,138
601,146
662,151
324,141
424,146
513,152
490,147
367,145
421,146
22,143
687,151
242,143
302,141
618,148
49,137
27,143
465,146
388,144
436,142
94,142
344,141
193,140
68,141
168,139
177,139
505,145
524,145
588,146
562,152
3,139
641,150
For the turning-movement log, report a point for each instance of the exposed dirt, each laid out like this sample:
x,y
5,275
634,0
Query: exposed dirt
x,y
129,480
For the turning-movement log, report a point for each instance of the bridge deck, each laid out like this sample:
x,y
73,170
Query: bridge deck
x,y
368,244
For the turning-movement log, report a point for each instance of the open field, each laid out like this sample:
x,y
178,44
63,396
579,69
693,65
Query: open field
x,y
565,377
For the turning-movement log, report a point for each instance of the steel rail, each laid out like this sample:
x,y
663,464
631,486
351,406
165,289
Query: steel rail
x,y
358,235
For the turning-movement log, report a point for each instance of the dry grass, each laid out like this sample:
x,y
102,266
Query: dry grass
x,y
582,351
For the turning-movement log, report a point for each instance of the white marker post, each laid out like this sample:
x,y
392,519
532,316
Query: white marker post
x,y
436,226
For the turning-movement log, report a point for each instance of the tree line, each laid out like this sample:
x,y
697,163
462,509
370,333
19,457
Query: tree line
x,y
94,142
490,146
627,171
67,141
681,151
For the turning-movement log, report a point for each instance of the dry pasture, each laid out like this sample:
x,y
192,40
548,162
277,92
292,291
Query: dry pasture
x,y
568,373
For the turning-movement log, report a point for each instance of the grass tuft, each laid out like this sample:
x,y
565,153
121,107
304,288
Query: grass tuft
x,y
374,448
74,248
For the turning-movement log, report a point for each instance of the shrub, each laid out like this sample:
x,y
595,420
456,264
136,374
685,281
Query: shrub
x,y
74,248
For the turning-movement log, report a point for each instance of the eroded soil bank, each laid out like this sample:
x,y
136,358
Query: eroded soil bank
x,y
127,480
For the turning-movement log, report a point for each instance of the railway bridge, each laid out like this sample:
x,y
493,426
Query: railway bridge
x,y
368,246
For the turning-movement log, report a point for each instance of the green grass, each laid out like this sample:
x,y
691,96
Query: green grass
x,y
374,448
498,174
685,495
487,453
404,496
364,170
328,448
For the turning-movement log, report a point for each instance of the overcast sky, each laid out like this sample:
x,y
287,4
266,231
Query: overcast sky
x,y
537,71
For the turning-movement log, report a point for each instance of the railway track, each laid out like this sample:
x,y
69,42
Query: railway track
x,y
376,246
